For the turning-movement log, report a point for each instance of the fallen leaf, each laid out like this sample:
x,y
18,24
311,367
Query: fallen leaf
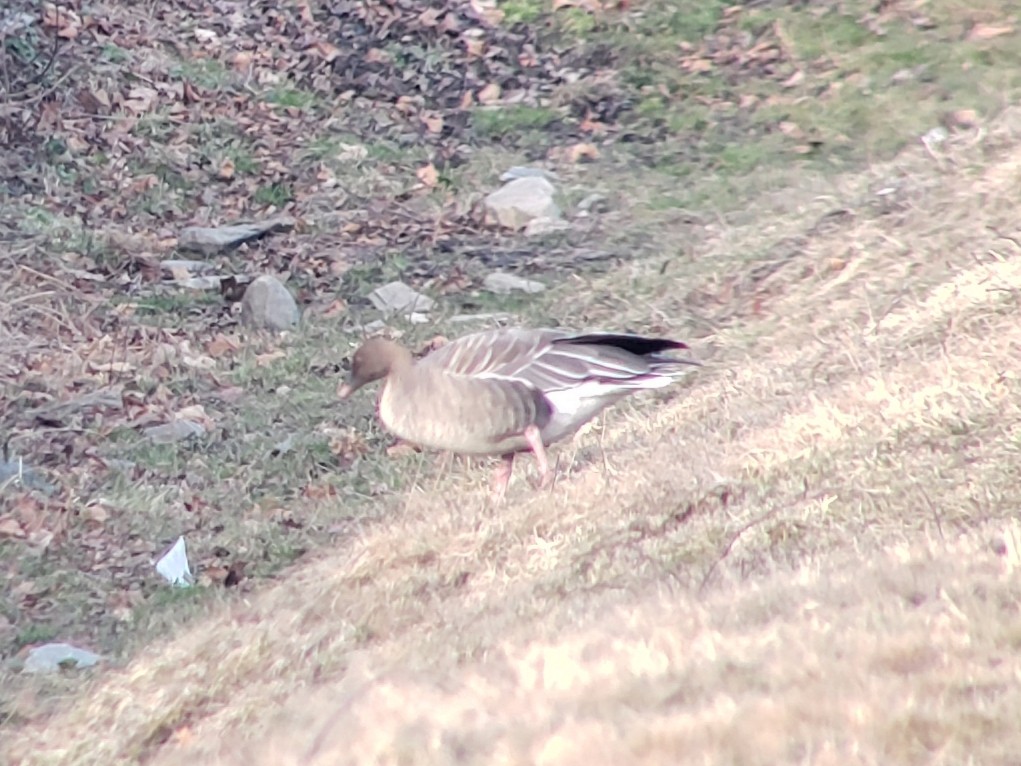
x,y
487,10
348,444
226,170
235,574
791,129
179,273
221,345
965,118
183,736
589,5
198,361
328,51
143,184
10,527
428,175
435,342
795,79
41,538
319,491
229,393
582,152
111,366
96,513
697,65
195,413
489,94
430,17
989,31
402,449
263,360
433,123
213,575
592,125
336,308
65,21
242,60
29,513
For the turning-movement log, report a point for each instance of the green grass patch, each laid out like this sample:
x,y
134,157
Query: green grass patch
x,y
855,90
243,159
497,123
575,22
276,194
290,97
523,11
206,73
155,126
35,633
114,54
176,304
670,22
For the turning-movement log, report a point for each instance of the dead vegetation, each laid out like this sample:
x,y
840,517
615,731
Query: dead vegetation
x,y
808,556
811,555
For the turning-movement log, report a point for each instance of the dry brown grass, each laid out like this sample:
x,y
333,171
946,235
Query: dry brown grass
x,y
811,556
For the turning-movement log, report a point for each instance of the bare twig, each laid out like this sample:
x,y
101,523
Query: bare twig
x,y
730,545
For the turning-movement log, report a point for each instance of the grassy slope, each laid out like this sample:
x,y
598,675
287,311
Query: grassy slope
x,y
808,555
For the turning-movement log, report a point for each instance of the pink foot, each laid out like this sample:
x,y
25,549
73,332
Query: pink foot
x,y
501,476
534,439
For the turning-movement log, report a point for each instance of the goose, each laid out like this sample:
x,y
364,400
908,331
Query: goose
x,y
509,390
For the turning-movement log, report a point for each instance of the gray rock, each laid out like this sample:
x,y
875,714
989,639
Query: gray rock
x,y
539,226
50,658
593,203
495,318
181,268
15,473
520,201
503,283
175,431
11,23
108,397
398,298
268,304
935,137
199,283
520,171
123,466
376,325
283,446
209,240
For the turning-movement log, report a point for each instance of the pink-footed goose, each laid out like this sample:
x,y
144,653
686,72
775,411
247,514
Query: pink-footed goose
x,y
500,392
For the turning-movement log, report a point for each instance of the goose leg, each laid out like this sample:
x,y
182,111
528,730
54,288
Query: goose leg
x,y
534,439
502,475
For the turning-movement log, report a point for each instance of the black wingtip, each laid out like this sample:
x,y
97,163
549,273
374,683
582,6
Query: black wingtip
x,y
635,344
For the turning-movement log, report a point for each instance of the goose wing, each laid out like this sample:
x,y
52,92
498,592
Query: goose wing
x,y
554,360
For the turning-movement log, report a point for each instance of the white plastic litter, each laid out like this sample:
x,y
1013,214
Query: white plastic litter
x,y
49,658
173,566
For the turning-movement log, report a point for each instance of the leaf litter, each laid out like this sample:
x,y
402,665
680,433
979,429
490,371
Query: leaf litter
x,y
340,119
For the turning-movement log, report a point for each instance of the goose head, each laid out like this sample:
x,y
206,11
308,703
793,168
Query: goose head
x,y
374,360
